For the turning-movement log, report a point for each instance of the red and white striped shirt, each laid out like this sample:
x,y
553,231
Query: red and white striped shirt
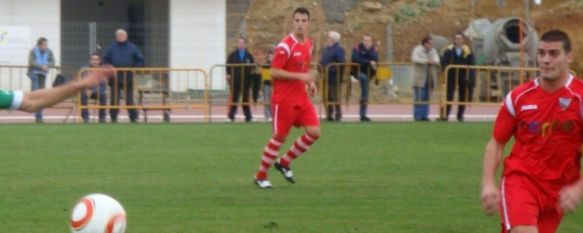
x,y
292,56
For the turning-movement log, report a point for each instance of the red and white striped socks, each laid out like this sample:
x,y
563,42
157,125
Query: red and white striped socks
x,y
299,147
270,153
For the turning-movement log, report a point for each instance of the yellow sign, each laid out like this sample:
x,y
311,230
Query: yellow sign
x,y
265,73
384,73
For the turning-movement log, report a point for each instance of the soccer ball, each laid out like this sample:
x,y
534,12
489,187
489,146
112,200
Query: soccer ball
x,y
98,213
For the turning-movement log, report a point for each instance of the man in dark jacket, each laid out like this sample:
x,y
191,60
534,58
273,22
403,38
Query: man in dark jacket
x,y
333,53
458,54
123,54
367,56
239,79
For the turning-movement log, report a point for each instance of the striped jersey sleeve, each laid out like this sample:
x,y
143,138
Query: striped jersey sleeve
x,y
11,99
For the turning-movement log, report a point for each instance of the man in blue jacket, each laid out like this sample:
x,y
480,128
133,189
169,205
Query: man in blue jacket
x,y
367,56
123,54
40,59
333,53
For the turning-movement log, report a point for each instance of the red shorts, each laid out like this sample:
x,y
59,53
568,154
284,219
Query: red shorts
x,y
287,115
525,204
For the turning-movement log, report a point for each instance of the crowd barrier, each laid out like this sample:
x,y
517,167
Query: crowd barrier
x,y
16,77
481,85
157,89
166,89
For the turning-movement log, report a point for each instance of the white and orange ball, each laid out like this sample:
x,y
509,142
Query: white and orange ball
x,y
98,213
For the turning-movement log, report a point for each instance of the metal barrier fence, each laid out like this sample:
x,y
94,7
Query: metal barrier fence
x,y
337,75
491,84
241,84
397,78
15,77
391,84
240,81
157,89
482,85
388,83
237,78
167,89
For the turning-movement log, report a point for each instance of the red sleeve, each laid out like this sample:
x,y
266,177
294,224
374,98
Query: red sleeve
x,y
279,58
504,126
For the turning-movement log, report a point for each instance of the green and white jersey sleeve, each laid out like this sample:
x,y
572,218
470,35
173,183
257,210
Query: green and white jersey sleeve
x,y
11,99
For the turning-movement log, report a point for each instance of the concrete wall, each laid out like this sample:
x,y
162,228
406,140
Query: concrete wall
x,y
43,18
197,37
39,19
197,33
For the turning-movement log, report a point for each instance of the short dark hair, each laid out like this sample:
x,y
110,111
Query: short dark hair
x,y
301,10
425,40
242,38
459,34
41,40
557,36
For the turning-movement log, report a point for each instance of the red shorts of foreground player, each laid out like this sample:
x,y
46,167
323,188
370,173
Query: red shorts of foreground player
x,y
524,203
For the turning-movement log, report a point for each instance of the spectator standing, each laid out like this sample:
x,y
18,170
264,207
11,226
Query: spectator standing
x,y
239,79
367,56
123,54
425,67
458,53
40,59
333,53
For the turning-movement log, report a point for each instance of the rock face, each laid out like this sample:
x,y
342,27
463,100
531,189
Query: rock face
x,y
405,21
268,21
335,10
372,6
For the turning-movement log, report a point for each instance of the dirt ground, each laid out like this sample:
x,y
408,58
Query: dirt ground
x,y
268,21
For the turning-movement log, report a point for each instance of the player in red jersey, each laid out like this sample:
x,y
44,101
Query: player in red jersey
x,y
291,103
541,177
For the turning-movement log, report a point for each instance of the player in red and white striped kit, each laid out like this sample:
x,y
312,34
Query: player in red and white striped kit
x,y
291,103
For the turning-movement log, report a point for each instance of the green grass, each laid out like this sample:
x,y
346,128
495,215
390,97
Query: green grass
x,y
180,178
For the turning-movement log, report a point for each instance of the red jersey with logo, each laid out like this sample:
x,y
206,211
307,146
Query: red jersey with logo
x,y
292,56
547,128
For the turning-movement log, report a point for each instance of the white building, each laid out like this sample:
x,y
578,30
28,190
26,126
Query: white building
x,y
171,33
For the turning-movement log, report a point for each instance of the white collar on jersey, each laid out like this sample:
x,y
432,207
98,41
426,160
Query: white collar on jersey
x,y
567,84
296,40
293,37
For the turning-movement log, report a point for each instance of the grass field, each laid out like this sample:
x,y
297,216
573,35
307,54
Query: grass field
x,y
181,178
